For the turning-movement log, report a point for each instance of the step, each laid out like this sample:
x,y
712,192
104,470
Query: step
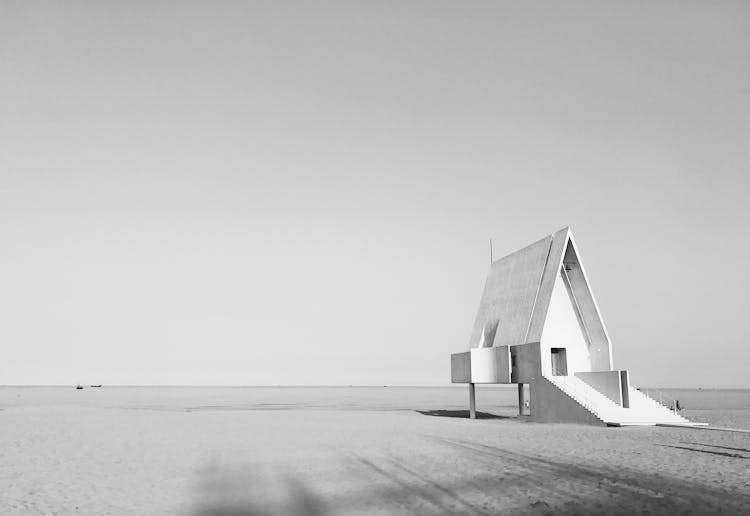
x,y
643,410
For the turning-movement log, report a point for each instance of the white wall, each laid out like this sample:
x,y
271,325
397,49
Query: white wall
x,y
562,330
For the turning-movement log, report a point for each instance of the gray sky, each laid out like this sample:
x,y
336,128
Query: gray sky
x,y
302,192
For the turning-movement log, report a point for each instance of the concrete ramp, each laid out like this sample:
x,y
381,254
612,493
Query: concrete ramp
x,y
642,411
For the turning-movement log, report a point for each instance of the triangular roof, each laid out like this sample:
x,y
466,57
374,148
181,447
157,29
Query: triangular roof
x,y
518,290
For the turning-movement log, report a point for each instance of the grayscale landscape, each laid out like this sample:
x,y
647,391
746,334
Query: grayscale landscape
x,y
316,257
359,450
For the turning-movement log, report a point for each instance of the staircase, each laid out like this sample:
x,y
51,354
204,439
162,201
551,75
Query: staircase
x,y
642,411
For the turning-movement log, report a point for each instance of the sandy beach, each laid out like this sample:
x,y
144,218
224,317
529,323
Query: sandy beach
x,y
315,451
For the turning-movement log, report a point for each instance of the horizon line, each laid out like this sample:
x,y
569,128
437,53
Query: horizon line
x,y
266,386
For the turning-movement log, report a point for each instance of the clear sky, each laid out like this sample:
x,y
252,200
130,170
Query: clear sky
x,y
303,192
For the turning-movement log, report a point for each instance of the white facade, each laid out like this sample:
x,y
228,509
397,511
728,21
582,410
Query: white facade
x,y
563,328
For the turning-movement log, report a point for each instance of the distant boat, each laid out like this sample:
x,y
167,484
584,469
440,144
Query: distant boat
x,y
79,387
95,385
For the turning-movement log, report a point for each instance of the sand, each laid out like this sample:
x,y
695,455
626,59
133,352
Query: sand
x,y
338,451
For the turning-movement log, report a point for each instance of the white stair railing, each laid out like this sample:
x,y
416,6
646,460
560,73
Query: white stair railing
x,y
661,398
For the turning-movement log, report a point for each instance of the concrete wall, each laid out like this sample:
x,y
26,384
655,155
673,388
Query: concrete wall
x,y
563,329
461,367
490,365
551,266
599,345
563,252
509,296
551,405
528,364
608,383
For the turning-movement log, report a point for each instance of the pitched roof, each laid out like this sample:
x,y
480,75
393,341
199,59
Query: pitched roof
x,y
518,290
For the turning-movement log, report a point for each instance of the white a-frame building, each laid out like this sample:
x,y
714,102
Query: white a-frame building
x,y
538,324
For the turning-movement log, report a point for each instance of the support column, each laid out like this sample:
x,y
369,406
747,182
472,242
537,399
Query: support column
x,y
472,402
625,388
521,399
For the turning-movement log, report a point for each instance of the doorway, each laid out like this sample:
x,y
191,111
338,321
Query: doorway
x,y
559,362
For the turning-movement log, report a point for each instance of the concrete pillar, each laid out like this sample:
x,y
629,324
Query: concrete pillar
x,y
521,399
472,402
625,388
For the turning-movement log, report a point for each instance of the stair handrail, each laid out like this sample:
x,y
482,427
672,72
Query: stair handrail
x,y
663,399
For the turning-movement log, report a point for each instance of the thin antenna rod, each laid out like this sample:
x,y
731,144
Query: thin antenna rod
x,y
490,251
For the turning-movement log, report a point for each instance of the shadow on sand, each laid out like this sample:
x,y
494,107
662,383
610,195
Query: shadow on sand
x,y
488,480
710,452
246,492
461,414
714,446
